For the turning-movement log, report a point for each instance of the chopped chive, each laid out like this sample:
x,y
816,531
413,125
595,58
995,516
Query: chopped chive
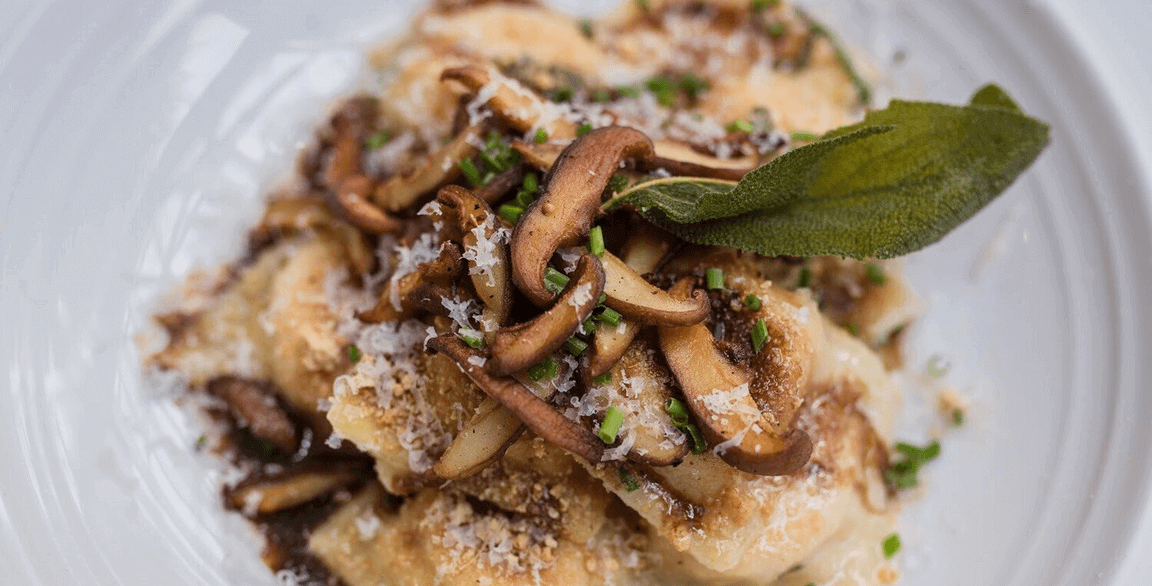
x,y
541,136
523,199
531,183
628,92
759,335
938,366
920,455
201,441
677,410
610,316
586,28
490,161
583,129
762,5
662,88
596,241
642,5
488,177
804,280
775,30
714,278
740,126
510,212
601,96
545,370
610,427
692,85
561,94
902,474
603,298
629,481
353,353
588,326
957,417
699,446
471,337
852,329
575,346
875,274
603,379
471,173
554,280
805,136
891,545
752,302
377,140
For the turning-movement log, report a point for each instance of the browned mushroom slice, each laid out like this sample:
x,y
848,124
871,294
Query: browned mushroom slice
x,y
643,252
254,405
488,434
538,415
639,387
486,254
292,215
680,159
349,200
641,302
440,167
296,487
717,392
502,184
541,156
518,347
569,200
517,106
441,271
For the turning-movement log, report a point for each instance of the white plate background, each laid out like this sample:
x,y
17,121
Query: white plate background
x,y
139,137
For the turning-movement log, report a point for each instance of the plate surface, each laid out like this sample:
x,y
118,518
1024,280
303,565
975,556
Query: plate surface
x,y
140,147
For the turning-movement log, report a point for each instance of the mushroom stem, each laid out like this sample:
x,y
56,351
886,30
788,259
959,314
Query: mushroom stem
x,y
570,199
518,347
538,415
519,107
488,262
439,168
486,437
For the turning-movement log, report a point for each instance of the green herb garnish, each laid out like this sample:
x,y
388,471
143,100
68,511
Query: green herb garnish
x,y
678,412
630,483
610,316
376,140
875,274
541,136
471,337
714,278
628,92
575,346
471,173
596,241
888,186
586,28
804,279
891,545
692,85
353,353
602,379
610,427
759,335
902,474
554,280
753,302
583,129
511,213
740,126
957,417
545,370
201,441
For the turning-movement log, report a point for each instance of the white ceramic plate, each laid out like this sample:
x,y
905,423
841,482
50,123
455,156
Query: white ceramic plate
x,y
138,138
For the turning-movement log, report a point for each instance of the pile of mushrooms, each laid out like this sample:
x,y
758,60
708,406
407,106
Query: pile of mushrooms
x,y
551,228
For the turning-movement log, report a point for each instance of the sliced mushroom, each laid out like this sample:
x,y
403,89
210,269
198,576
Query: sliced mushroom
x,y
680,159
538,415
293,215
349,199
655,440
488,434
269,495
440,167
541,156
489,265
643,252
254,405
430,297
518,347
717,393
517,106
502,184
441,271
641,302
570,199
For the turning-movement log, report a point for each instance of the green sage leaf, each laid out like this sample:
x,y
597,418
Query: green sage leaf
x,y
890,185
